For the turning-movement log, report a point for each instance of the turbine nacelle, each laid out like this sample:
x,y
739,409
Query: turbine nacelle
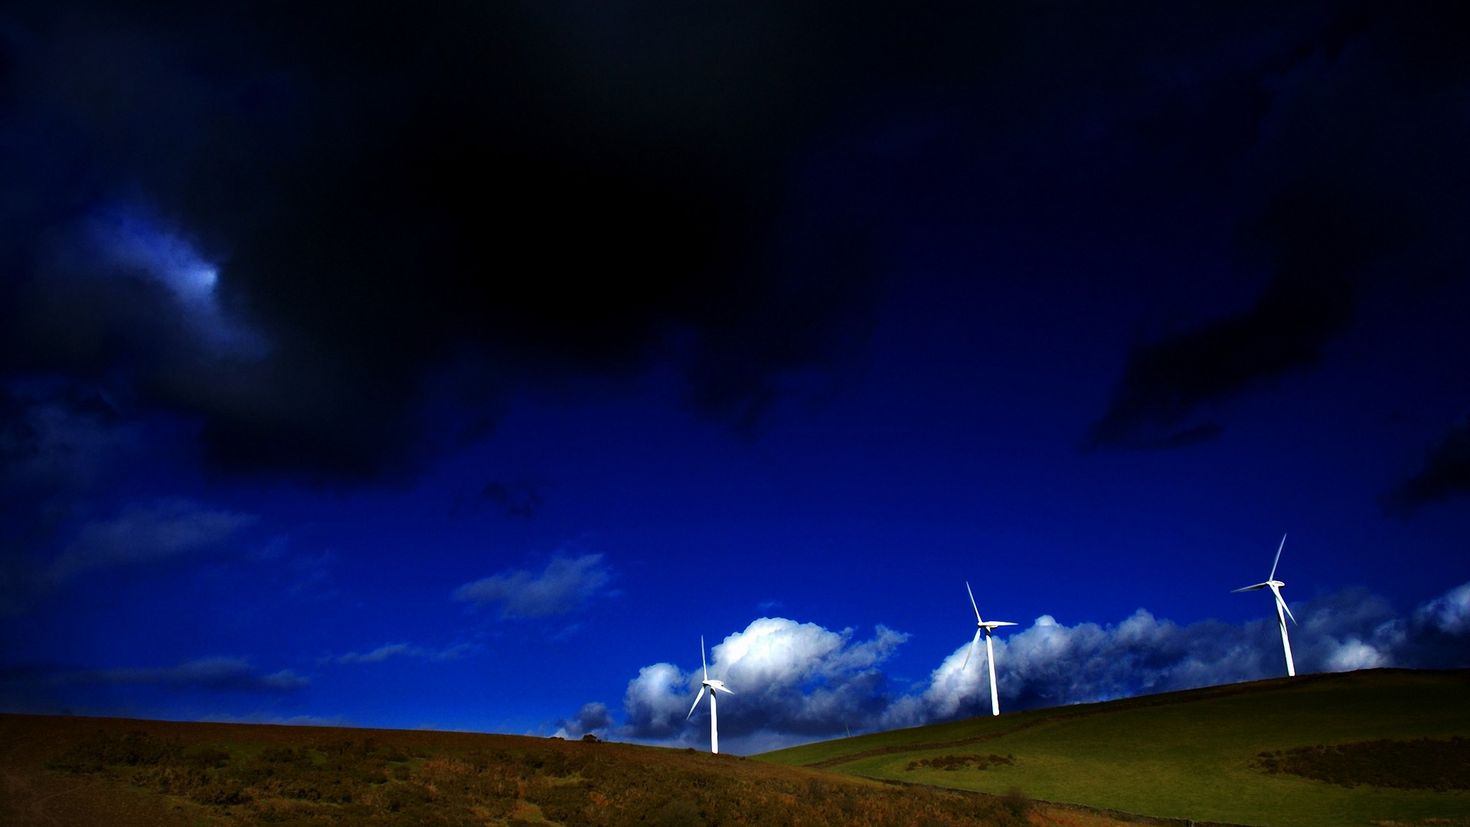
x,y
717,686
1269,584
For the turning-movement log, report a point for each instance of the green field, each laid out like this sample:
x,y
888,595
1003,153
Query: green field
x,y
1198,754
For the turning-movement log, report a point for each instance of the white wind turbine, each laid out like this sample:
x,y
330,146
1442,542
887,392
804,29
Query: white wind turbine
x,y
1282,610
713,687
985,628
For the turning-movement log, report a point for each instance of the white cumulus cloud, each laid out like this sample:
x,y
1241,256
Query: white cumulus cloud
x,y
789,677
797,682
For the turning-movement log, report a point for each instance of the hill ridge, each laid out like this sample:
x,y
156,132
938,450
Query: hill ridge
x,y
1324,749
1040,715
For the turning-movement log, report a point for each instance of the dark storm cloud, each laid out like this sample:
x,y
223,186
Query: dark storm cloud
x,y
315,231
1171,380
58,438
1445,473
59,441
295,224
1353,180
517,499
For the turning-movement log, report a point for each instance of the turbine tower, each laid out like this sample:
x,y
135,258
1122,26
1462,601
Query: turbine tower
x,y
1282,610
713,687
985,628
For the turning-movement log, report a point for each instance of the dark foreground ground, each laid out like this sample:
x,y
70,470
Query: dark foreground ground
x,y
94,771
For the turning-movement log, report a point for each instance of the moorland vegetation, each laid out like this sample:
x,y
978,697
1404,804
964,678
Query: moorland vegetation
x,y
138,772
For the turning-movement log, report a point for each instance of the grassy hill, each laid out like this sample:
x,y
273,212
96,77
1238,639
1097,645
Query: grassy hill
x,y
90,771
1384,747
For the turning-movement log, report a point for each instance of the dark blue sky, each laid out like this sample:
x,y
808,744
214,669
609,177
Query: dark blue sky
x,y
462,368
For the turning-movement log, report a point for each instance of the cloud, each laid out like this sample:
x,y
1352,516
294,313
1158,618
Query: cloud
x,y
653,701
591,719
403,650
790,678
1050,663
251,185
798,681
1449,613
1170,382
131,239
263,717
256,243
517,499
1445,473
60,443
147,534
565,585
218,673
58,437
1324,206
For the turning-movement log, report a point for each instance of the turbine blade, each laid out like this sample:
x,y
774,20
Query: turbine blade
x,y
1282,601
1000,623
701,658
1255,588
990,661
1278,557
972,603
971,653
697,699
722,688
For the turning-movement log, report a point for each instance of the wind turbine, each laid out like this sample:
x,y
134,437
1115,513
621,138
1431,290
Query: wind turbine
x,y
1282,610
985,628
713,687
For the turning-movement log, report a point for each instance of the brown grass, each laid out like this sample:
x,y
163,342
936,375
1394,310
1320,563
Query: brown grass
x,y
107,771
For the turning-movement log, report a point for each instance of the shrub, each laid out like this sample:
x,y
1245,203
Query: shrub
x,y
285,755
681,811
206,756
1426,763
219,794
132,749
957,762
1016,803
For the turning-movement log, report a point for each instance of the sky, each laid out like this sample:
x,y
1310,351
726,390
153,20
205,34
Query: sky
x,y
461,365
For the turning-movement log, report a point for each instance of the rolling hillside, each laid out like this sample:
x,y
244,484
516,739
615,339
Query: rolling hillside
x,y
93,771
1385,747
